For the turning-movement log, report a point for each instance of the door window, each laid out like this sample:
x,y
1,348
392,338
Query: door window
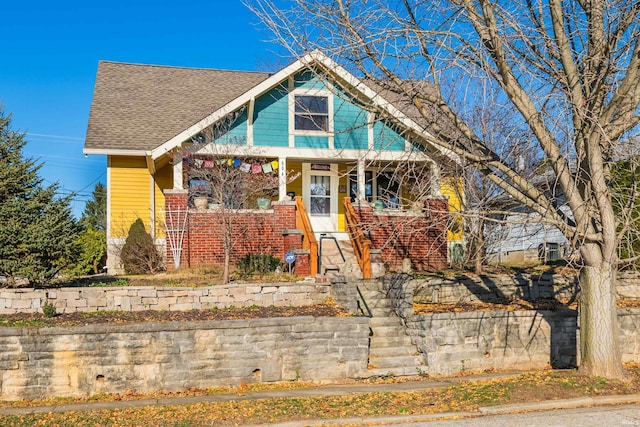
x,y
320,195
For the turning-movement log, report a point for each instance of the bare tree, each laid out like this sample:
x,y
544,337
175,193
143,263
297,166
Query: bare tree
x,y
219,168
571,69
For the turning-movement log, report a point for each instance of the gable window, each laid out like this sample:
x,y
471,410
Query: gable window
x,y
311,113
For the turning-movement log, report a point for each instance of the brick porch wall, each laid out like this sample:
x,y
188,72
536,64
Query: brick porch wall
x,y
255,232
422,238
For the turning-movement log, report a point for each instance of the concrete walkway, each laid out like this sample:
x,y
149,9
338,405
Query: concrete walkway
x,y
345,390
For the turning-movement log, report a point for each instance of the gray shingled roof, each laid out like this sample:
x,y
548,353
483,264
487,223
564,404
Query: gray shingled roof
x,y
139,107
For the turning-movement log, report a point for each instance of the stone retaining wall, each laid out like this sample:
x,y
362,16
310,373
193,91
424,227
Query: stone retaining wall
x,y
134,298
501,340
37,363
492,287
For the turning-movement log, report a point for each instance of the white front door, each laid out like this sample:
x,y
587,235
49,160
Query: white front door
x,y
320,195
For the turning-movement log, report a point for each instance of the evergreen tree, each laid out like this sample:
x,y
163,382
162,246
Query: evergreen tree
x,y
37,230
139,254
93,239
94,215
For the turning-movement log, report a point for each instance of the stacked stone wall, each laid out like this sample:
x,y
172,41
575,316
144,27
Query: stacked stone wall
x,y
499,287
39,363
138,298
453,343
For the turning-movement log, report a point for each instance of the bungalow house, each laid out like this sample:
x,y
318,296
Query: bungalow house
x,y
335,157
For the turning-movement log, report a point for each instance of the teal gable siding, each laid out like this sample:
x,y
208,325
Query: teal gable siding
x,y
271,117
271,123
307,80
349,125
235,133
304,141
386,138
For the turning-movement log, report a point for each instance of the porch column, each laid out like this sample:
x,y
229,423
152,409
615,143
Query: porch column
x,y
177,172
435,179
282,179
361,180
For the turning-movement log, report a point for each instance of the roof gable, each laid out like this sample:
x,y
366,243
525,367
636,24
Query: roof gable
x,y
154,109
138,107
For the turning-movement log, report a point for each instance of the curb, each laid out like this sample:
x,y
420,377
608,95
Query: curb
x,y
580,402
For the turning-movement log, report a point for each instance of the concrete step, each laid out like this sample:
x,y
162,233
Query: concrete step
x,y
381,311
395,361
371,285
399,341
373,295
389,331
332,263
385,321
393,372
378,302
393,352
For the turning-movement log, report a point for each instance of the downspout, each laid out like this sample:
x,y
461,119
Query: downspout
x,y
151,165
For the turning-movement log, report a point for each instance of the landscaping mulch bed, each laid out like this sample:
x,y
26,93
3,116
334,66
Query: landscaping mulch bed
x,y
115,317
541,304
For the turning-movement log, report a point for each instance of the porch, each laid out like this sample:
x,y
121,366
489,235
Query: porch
x,y
380,239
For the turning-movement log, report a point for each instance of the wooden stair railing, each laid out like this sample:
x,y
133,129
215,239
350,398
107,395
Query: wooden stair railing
x,y
309,241
361,244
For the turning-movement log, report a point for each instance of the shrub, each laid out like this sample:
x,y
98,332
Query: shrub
x,y
139,254
49,309
257,263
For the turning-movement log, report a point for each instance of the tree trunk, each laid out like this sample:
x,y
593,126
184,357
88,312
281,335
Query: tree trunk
x,y
599,333
479,248
225,272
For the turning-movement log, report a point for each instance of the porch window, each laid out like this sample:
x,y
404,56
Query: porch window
x,y
388,189
311,113
384,185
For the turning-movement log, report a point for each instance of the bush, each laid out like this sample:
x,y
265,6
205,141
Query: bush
x,y
139,254
257,263
49,309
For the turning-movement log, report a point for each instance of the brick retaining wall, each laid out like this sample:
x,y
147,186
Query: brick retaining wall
x,y
254,231
422,238
38,363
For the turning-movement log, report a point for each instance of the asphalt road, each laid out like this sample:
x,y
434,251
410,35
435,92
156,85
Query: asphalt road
x,y
610,416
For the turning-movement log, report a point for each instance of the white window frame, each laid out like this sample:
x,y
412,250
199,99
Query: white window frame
x,y
292,112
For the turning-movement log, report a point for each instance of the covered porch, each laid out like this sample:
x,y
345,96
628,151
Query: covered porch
x,y
388,210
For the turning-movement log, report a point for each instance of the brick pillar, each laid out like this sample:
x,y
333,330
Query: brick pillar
x,y
436,211
302,266
291,237
286,212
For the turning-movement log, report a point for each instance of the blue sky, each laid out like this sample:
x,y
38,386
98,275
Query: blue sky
x,y
51,52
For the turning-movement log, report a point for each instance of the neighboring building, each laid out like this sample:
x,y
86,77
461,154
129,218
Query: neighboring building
x,y
523,237
525,240
158,124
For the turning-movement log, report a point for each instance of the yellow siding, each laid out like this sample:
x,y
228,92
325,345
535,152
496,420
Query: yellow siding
x,y
453,189
163,181
295,168
343,181
129,193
